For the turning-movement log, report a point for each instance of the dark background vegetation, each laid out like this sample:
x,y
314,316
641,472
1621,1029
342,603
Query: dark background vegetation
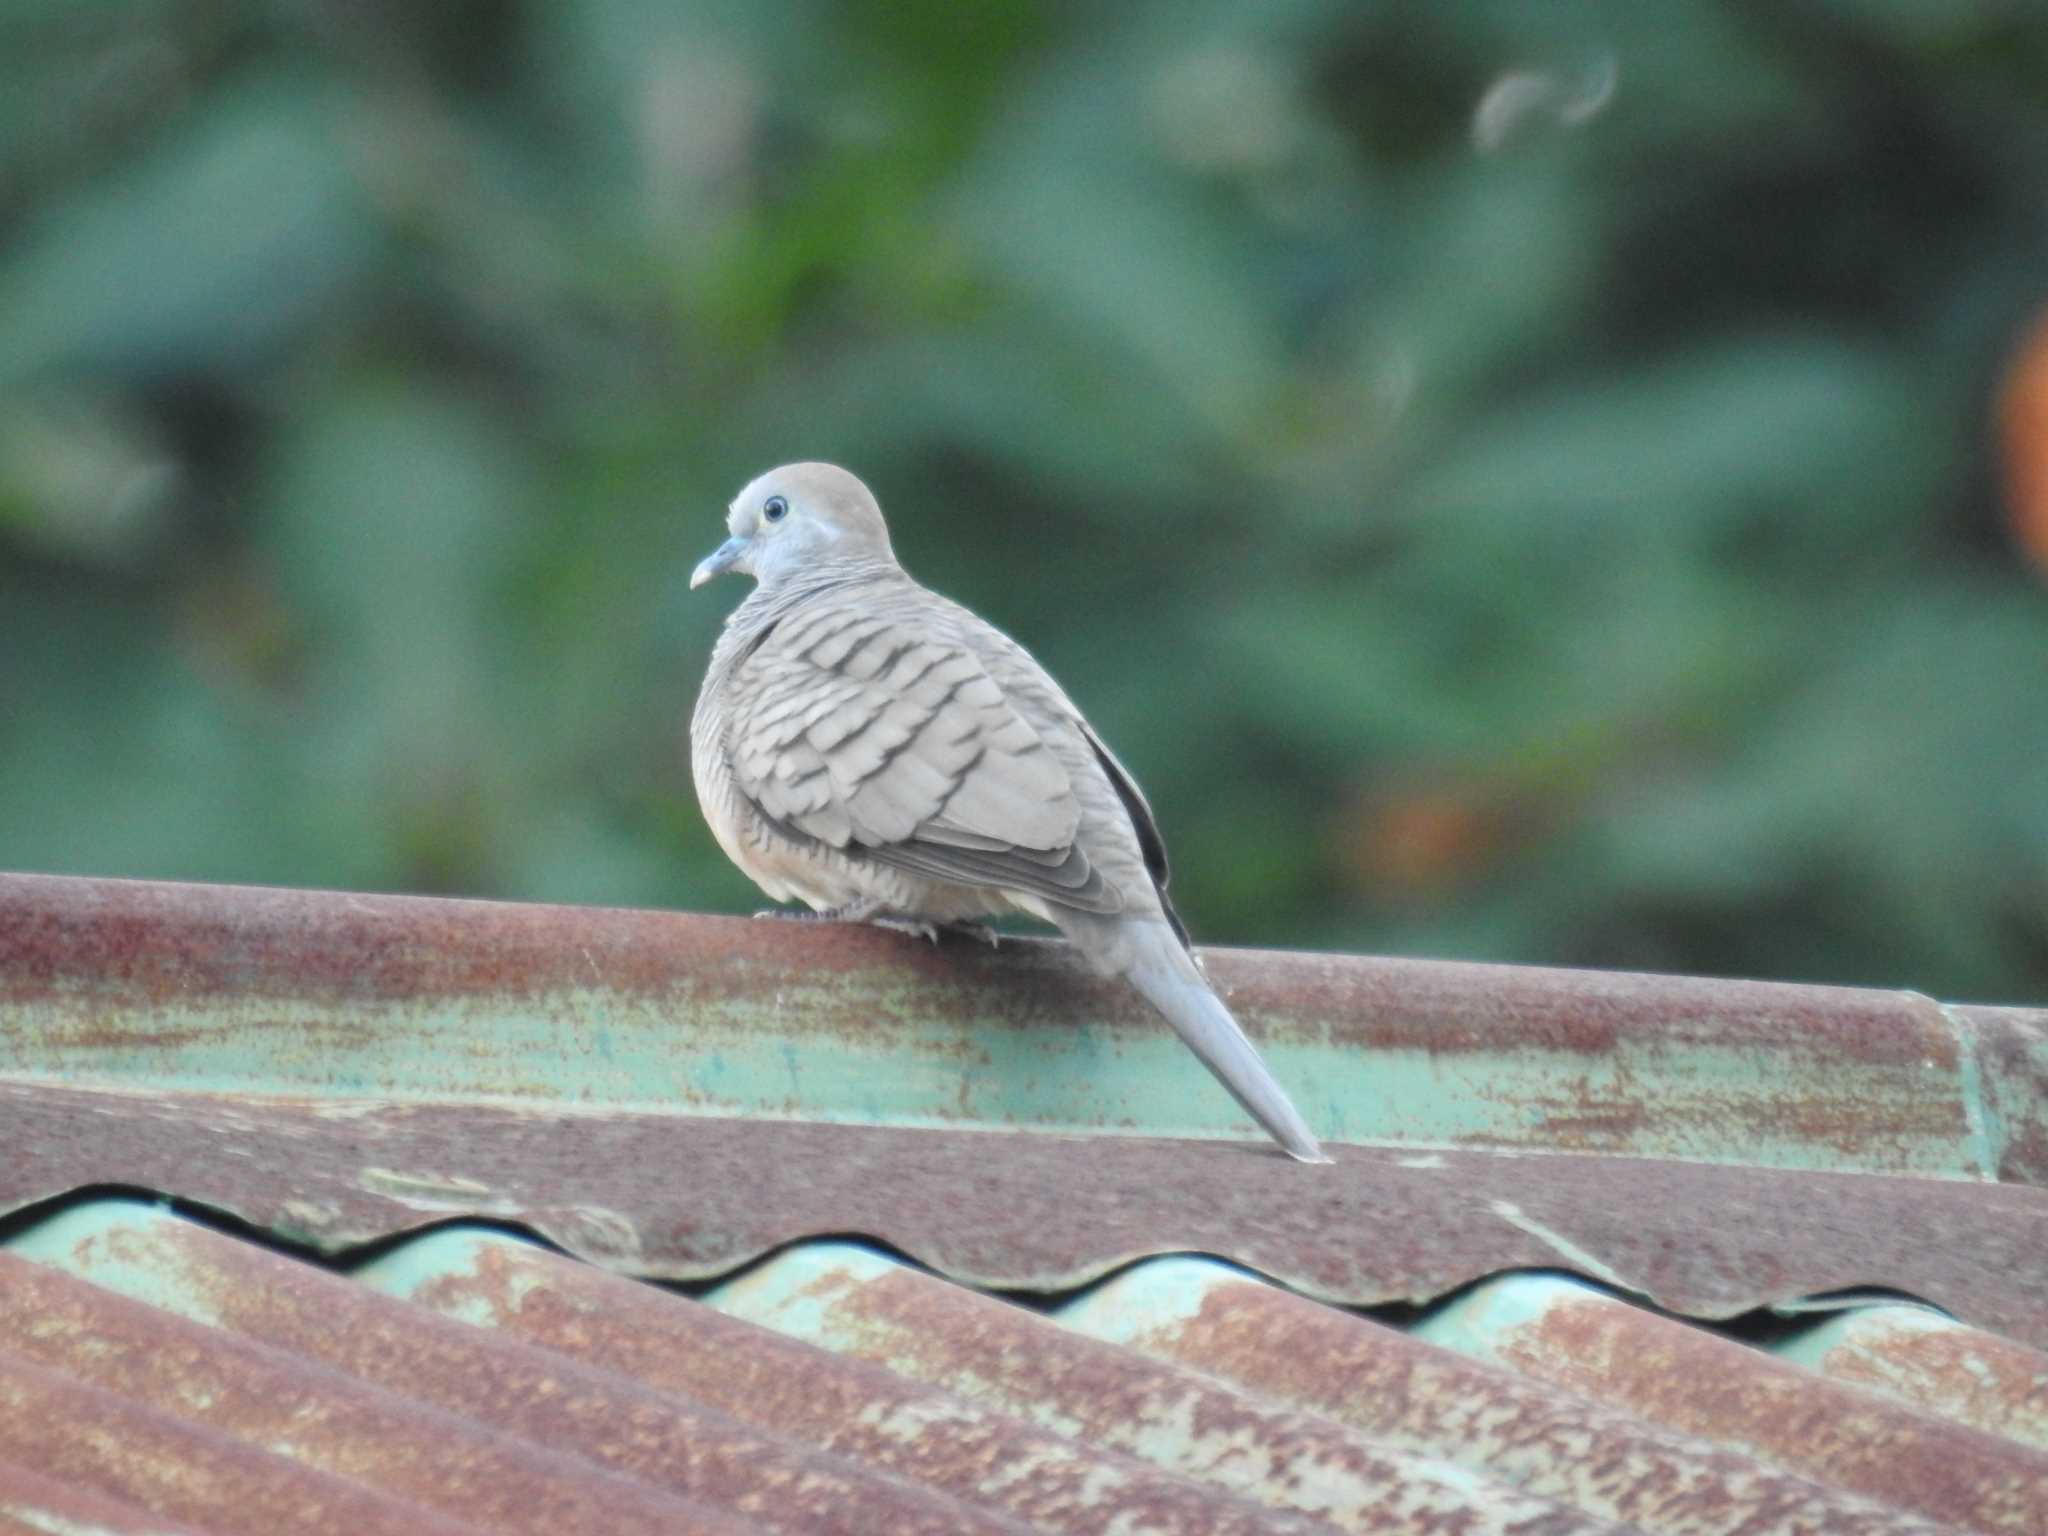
x,y
1514,480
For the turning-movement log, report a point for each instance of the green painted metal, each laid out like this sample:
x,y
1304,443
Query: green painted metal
x,y
416,1267
854,1301
795,1292
1477,1322
131,1247
1924,1357
1197,1367
1402,1389
1844,1325
1057,1431
1160,1294
583,1048
1581,1339
351,998
948,1055
211,1334
116,1245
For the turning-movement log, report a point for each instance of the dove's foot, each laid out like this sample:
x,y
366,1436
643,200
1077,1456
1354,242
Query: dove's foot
x,y
925,928
896,922
866,909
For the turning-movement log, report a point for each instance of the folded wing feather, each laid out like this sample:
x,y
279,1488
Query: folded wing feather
x,y
899,746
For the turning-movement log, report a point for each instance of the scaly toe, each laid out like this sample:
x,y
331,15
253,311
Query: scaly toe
x,y
916,927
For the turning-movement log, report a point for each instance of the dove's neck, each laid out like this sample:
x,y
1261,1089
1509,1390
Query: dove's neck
x,y
770,602
767,606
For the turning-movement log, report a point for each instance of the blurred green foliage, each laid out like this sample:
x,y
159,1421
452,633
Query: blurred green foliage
x,y
1513,480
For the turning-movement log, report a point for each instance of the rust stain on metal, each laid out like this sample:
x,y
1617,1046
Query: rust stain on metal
x,y
71,940
1450,1008
1966,1374
846,1406
445,1459
99,954
35,1504
1702,1384
1018,1362
1405,1392
130,968
1048,1212
2010,1047
91,1438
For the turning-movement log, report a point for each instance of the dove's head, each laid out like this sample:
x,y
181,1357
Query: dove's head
x,y
801,518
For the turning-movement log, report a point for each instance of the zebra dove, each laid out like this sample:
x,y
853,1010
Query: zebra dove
x,y
869,748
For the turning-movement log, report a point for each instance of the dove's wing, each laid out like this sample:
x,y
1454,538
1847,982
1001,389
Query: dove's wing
x,y
876,729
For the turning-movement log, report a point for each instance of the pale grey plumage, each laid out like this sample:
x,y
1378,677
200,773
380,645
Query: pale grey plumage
x,y
867,747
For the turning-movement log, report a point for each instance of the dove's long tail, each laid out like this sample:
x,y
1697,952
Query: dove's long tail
x,y
1171,982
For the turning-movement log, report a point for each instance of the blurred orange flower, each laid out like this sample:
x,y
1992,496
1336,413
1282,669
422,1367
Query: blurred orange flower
x,y
2023,445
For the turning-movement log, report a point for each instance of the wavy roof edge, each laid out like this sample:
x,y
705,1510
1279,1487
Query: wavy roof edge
x,y
674,1095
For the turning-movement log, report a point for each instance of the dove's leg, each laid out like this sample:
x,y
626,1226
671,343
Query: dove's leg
x,y
877,914
862,909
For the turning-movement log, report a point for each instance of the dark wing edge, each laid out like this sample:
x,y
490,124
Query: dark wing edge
x,y
1150,843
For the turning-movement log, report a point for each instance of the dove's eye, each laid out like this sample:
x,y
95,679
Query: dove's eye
x,y
775,509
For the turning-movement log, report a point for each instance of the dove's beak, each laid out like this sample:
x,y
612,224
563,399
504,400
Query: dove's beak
x,y
718,562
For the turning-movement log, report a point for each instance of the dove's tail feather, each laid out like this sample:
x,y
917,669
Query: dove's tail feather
x,y
1171,982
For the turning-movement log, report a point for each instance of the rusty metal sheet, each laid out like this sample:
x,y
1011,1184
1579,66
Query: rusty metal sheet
x,y
35,1504
226,989
552,1327
1934,1363
98,1440
629,1332
1052,1482
1403,1391
1697,1382
695,1197
857,1303
2007,1050
448,1416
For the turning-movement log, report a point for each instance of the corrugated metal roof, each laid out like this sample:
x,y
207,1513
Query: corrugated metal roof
x,y
692,1198
722,1102
467,1379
